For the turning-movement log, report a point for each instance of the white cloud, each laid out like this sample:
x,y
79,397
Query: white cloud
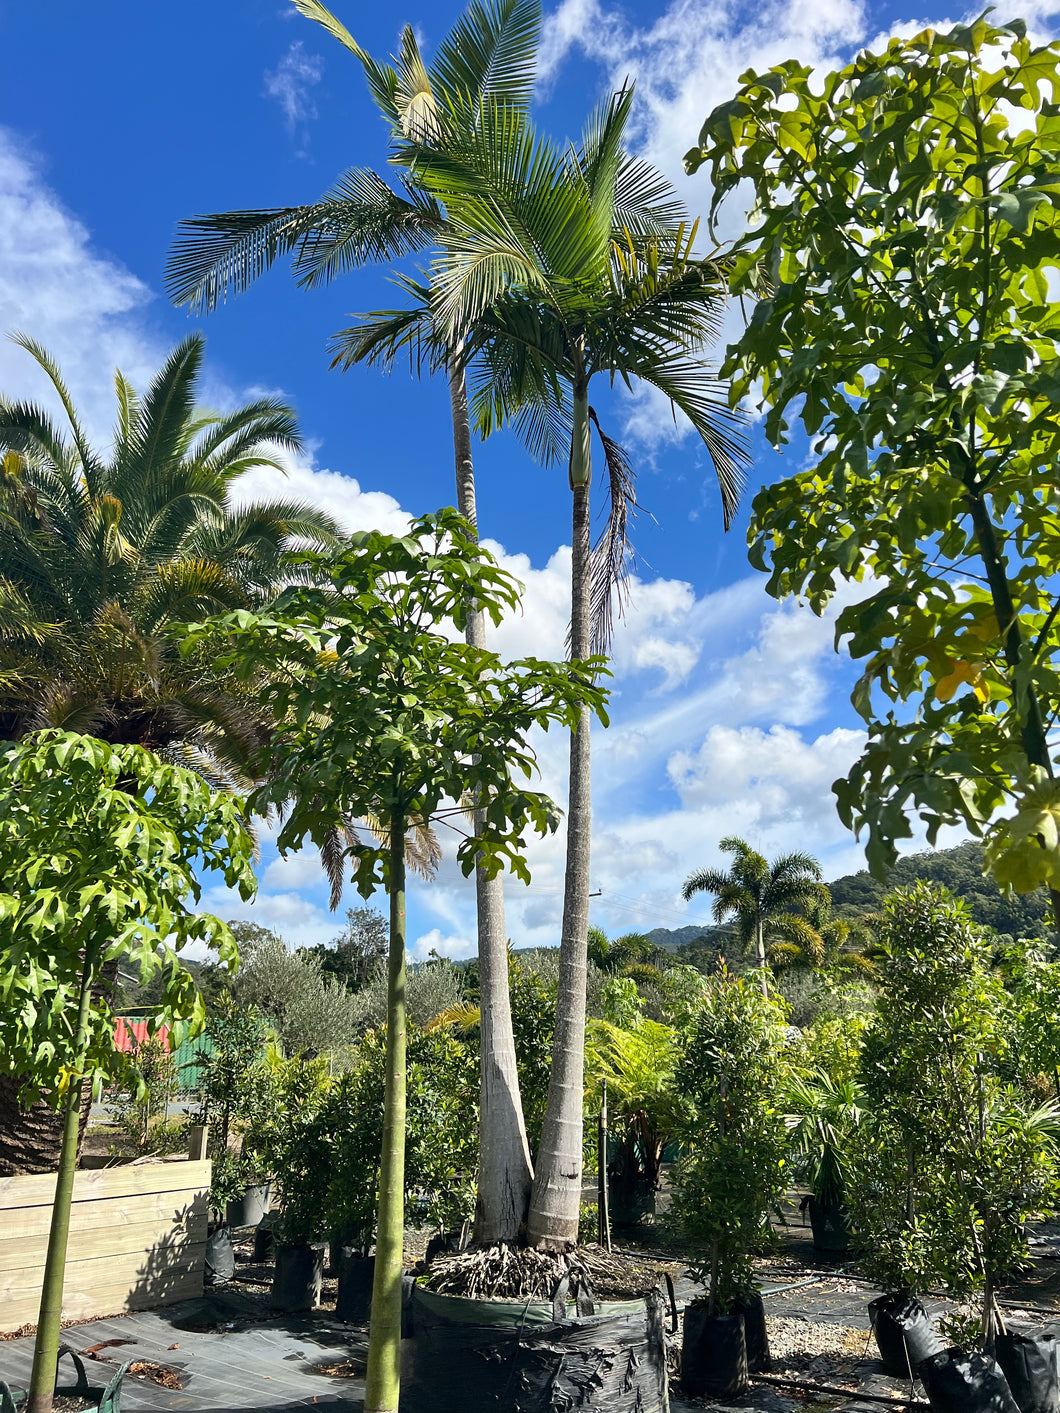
x,y
456,947
354,508
86,308
290,83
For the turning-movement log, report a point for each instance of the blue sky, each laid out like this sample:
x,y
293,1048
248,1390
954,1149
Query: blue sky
x,y
730,712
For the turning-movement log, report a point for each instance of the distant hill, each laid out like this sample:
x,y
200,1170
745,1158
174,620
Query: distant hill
x,y
961,871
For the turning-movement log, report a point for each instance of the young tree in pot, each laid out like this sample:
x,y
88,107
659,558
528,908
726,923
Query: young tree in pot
x,y
730,1078
637,1061
949,1160
230,1081
101,849
290,1144
392,720
822,1113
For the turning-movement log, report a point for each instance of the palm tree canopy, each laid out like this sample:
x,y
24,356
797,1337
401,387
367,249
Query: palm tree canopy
x,y
556,266
102,552
489,55
755,891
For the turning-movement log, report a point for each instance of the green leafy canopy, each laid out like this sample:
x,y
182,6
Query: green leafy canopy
x,y
101,850
385,715
904,228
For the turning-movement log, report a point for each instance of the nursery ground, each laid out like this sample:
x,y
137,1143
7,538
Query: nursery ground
x,y
230,1352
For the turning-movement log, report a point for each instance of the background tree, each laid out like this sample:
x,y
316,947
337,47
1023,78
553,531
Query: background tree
x,y
359,949
101,850
555,268
763,897
489,55
620,955
907,225
391,718
309,1009
100,554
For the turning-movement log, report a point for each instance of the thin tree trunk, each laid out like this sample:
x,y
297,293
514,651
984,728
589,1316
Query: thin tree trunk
x,y
49,1321
505,1172
760,955
383,1386
556,1199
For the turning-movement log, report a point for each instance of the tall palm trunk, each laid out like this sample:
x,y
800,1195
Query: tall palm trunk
x,y
556,1199
505,1172
383,1385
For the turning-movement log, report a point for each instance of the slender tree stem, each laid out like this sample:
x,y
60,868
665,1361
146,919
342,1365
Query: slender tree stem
x,y
383,1386
505,1172
556,1199
49,1321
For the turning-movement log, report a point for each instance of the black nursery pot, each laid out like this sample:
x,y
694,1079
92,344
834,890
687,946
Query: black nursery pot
x,y
713,1354
829,1227
904,1333
264,1242
220,1257
756,1339
1029,1363
519,1357
356,1274
248,1210
299,1274
966,1381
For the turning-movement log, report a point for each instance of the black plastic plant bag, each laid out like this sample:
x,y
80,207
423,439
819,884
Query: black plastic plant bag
x,y
904,1333
530,1358
220,1258
756,1338
713,1354
966,1381
1030,1365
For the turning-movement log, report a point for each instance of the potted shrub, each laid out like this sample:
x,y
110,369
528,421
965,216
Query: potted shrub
x,y
950,1160
288,1138
824,1111
637,1061
232,1089
732,1174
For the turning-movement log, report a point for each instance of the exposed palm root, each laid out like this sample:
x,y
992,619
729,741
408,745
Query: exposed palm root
x,y
520,1273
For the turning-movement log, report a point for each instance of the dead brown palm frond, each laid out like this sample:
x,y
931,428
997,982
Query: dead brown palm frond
x,y
613,556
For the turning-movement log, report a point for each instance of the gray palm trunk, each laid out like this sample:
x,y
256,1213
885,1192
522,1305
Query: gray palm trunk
x,y
556,1200
505,1171
760,953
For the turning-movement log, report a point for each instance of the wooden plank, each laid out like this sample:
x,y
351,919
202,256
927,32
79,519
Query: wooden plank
x,y
197,1136
97,1302
128,1181
110,1213
148,1268
18,1250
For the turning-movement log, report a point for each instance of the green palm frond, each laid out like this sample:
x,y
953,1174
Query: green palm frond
x,y
47,363
704,880
361,220
489,54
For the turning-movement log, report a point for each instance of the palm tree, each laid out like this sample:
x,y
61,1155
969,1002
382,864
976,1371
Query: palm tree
x,y
555,268
622,955
488,56
99,555
763,897
821,941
